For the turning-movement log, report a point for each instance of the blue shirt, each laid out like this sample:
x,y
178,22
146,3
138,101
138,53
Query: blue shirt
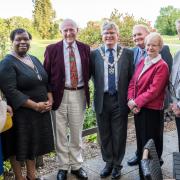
x,y
140,55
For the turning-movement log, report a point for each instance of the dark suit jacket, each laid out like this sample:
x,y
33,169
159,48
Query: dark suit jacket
x,y
54,65
125,71
165,54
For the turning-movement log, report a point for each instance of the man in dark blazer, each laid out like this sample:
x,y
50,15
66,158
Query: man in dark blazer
x,y
67,65
112,69
139,34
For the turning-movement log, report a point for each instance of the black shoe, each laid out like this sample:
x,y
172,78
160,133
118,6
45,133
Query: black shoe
x,y
133,161
116,173
106,171
62,174
80,173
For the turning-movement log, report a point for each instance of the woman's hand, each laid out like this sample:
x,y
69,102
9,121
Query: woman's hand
x,y
136,110
131,104
175,109
50,98
43,106
9,110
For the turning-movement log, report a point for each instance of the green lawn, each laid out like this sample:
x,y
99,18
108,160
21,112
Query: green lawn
x,y
171,40
38,47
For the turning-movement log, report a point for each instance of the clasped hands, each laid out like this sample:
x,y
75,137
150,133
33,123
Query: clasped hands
x,y
176,110
43,106
133,106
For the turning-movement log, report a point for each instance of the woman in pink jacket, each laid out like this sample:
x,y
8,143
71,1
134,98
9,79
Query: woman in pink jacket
x,y
146,93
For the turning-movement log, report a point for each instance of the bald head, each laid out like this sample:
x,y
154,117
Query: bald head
x,y
140,31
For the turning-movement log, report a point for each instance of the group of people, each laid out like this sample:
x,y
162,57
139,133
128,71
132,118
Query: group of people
x,y
49,101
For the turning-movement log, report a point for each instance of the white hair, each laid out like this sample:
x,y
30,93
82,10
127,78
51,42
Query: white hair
x,y
70,21
155,35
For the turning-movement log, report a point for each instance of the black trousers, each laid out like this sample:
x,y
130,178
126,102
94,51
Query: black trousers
x,y
178,130
112,127
148,125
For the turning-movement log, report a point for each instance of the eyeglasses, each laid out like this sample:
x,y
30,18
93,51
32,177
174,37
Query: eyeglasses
x,y
152,45
109,33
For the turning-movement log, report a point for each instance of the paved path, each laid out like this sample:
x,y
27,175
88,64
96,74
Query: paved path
x,y
93,166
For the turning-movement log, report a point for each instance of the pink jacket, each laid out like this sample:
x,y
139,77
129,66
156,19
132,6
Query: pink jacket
x,y
149,90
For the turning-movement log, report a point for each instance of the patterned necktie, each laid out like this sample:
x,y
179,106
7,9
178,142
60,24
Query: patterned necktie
x,y
73,68
111,73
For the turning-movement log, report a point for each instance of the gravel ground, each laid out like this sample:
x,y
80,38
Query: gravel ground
x,y
90,150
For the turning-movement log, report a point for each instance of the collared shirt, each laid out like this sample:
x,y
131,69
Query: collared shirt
x,y
148,63
106,68
141,53
67,64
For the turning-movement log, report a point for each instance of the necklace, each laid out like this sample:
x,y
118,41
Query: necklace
x,y
28,61
105,58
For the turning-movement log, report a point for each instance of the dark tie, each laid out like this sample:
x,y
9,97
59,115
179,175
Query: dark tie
x,y
111,73
73,68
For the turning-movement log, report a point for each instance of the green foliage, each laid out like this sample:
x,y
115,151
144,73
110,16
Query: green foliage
x,y
19,22
1,178
165,22
90,119
125,23
4,34
92,138
7,166
91,34
44,17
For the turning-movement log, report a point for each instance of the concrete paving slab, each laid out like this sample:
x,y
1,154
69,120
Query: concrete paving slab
x,y
95,165
170,143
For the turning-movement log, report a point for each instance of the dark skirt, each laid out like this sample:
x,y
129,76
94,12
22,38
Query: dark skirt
x,y
30,136
1,161
148,126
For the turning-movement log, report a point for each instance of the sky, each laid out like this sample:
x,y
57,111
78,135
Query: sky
x,y
83,11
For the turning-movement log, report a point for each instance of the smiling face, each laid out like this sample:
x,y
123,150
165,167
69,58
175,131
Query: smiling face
x,y
69,31
153,47
139,34
21,43
110,37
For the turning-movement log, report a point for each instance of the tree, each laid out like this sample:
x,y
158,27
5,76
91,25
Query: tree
x,y
4,38
91,34
19,22
43,17
165,22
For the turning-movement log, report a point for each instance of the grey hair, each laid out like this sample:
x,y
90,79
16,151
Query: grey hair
x,y
109,25
156,35
68,21
141,26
